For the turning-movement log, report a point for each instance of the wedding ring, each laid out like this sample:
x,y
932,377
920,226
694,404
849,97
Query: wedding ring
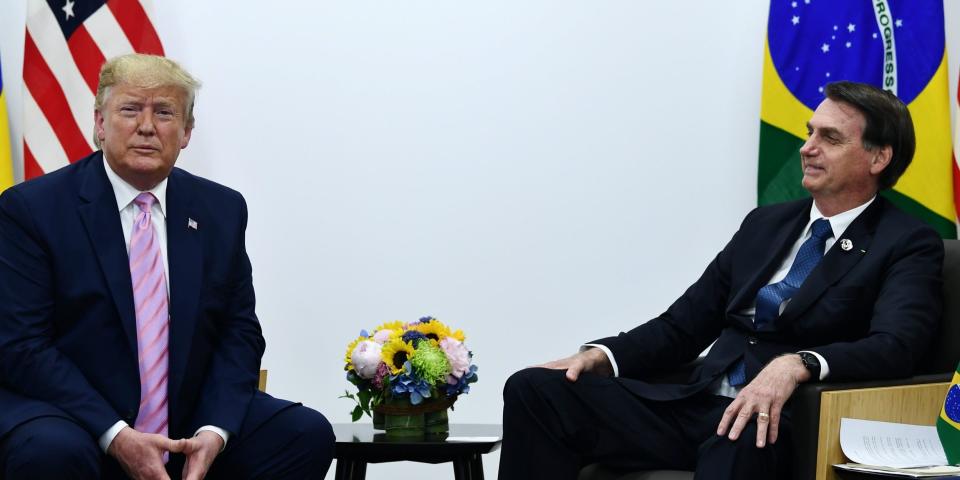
x,y
763,417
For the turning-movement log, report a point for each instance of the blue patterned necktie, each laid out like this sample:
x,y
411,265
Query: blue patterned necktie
x,y
770,297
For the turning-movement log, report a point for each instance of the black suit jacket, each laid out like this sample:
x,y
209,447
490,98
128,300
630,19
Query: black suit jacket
x,y
870,311
67,323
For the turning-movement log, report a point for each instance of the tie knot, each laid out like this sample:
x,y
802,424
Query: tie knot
x,y
145,201
821,229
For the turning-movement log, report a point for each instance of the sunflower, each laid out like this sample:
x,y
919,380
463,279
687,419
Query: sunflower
x,y
348,358
459,335
395,353
433,330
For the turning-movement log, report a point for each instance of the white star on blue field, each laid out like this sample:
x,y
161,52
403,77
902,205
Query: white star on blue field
x,y
813,42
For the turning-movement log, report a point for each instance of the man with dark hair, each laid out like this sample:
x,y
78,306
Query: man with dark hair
x,y
886,122
842,285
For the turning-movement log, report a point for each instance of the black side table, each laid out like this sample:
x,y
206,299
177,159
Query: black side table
x,y
359,444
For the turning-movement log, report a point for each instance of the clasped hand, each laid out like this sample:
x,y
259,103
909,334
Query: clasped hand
x,y
141,454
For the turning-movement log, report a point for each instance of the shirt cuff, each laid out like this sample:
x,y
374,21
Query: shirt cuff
x,y
824,368
107,438
607,352
219,431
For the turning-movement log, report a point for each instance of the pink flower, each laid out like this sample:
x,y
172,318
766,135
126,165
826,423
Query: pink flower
x,y
381,336
366,358
383,371
457,355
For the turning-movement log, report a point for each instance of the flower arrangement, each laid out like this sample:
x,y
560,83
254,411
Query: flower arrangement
x,y
408,363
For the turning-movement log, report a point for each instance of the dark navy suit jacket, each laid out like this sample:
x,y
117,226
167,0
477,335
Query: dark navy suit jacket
x,y
67,323
870,311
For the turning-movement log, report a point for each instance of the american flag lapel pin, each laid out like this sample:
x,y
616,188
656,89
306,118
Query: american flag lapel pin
x,y
191,223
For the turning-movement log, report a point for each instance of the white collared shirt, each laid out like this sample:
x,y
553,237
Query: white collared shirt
x,y
839,224
125,194
129,210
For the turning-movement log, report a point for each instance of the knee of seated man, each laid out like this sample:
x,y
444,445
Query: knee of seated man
x,y
529,381
317,431
51,448
745,444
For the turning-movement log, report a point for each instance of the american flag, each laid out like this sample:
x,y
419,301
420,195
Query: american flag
x,y
66,43
956,152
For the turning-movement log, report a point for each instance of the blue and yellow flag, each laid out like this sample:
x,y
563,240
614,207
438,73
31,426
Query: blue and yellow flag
x,y
897,45
6,159
948,425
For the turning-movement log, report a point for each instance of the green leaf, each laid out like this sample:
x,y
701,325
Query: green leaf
x,y
364,398
357,413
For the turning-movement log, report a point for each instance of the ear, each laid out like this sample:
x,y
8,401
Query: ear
x,y
186,138
881,158
98,125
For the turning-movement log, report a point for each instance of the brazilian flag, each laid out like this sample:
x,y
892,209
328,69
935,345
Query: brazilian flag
x,y
6,160
948,425
897,45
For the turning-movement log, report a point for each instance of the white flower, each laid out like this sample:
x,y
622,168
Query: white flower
x,y
365,358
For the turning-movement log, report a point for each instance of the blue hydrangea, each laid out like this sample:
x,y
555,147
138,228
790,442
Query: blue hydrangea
x,y
413,337
463,384
407,383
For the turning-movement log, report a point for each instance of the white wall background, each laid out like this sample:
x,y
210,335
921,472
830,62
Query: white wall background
x,y
538,173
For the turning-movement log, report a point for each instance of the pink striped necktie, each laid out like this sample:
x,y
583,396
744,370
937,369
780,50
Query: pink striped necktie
x,y
150,300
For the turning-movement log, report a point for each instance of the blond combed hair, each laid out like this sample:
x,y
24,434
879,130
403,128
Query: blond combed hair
x,y
145,71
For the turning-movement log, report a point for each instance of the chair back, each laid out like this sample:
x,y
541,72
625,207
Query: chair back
x,y
946,352
262,383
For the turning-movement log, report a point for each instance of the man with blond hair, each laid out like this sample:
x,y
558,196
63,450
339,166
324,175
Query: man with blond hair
x,y
128,338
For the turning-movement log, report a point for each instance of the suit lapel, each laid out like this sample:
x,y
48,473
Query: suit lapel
x,y
835,263
185,260
101,219
764,266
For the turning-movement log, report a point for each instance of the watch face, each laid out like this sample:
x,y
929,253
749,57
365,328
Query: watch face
x,y
811,363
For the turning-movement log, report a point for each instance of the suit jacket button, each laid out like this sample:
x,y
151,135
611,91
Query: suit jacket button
x,y
752,341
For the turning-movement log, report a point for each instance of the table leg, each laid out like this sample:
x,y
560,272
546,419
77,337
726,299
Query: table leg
x,y
477,466
351,469
468,467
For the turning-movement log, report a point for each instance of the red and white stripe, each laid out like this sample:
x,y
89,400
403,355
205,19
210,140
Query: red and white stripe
x,y
956,152
60,76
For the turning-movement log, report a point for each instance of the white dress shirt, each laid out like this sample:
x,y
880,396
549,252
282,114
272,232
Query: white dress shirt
x,y
839,224
125,194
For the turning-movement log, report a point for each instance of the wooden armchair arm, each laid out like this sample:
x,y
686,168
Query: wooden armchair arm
x,y
818,408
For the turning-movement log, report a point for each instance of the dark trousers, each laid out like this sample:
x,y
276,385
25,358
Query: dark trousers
x,y
296,443
553,427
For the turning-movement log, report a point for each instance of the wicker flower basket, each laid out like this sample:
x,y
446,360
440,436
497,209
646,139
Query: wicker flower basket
x,y
401,419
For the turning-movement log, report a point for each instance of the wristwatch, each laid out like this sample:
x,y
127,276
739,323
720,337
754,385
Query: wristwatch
x,y
812,364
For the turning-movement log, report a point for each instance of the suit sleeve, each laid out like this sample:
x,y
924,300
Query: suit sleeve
x,y
905,315
30,362
234,368
688,326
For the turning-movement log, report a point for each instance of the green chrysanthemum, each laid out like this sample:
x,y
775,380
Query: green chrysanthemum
x,y
430,363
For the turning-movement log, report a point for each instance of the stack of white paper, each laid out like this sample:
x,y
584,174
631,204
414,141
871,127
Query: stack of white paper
x,y
897,449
